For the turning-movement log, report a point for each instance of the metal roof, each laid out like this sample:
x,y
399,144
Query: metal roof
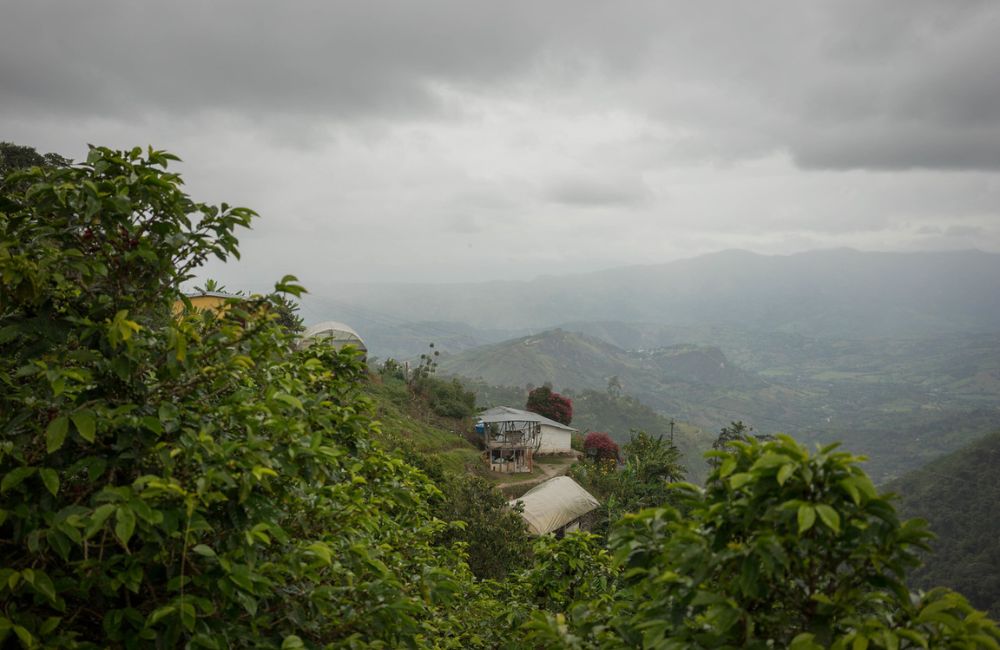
x,y
508,414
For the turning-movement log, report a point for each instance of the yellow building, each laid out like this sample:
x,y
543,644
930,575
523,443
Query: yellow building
x,y
204,301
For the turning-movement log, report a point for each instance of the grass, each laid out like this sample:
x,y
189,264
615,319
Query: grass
x,y
405,418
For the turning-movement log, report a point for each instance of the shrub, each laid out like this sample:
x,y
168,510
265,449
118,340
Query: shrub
x,y
782,549
554,406
192,480
599,446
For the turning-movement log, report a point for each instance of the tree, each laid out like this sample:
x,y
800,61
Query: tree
x,y
193,480
783,548
14,157
599,446
552,405
496,536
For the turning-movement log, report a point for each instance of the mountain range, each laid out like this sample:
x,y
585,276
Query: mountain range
x,y
840,293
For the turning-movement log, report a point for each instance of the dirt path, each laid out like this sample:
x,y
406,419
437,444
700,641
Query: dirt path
x,y
548,471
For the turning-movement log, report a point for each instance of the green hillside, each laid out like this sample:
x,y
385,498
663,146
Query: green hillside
x,y
958,495
407,421
902,403
595,410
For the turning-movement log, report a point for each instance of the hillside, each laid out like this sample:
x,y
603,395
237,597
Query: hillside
x,y
901,402
829,293
958,495
408,423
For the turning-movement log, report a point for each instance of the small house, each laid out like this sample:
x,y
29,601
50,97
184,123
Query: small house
x,y
552,437
556,506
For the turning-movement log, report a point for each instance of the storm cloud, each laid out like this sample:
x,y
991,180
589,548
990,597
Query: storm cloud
x,y
368,134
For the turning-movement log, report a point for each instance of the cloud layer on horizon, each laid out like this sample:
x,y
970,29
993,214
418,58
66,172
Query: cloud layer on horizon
x,y
449,139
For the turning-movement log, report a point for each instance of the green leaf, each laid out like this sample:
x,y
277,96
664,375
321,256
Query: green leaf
x,y
15,477
784,473
159,613
97,519
807,517
829,517
727,467
86,424
203,550
51,480
124,525
736,481
55,433
289,399
292,642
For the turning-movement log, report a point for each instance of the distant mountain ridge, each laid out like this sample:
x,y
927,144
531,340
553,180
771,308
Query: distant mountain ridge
x,y
841,293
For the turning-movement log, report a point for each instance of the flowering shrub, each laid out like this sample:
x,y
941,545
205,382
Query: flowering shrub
x,y
600,446
552,405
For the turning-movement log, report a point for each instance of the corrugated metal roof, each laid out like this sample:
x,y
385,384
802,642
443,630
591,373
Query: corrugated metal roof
x,y
508,414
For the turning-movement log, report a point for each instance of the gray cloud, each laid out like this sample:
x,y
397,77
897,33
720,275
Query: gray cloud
x,y
407,140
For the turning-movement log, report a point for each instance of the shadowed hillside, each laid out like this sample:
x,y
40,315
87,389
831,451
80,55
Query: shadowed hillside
x,y
958,495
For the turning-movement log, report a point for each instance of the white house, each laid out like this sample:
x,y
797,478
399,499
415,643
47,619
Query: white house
x,y
554,437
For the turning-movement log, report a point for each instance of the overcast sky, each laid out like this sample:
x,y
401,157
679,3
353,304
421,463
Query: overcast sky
x,y
446,141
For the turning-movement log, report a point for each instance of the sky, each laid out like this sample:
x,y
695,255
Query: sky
x,y
442,141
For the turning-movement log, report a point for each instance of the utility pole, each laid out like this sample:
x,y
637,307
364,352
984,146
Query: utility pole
x,y
671,432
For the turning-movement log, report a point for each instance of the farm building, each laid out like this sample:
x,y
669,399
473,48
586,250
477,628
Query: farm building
x,y
553,437
556,506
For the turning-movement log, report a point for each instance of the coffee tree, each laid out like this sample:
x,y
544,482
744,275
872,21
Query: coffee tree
x,y
172,477
783,548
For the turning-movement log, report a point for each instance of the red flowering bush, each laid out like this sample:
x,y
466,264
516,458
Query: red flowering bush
x,y
599,445
552,405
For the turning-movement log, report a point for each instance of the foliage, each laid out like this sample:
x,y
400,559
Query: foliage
x,y
552,405
958,495
495,536
651,466
781,549
599,446
197,480
734,432
14,157
447,398
569,569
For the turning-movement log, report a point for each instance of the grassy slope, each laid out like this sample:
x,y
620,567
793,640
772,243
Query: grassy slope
x,y
959,495
405,418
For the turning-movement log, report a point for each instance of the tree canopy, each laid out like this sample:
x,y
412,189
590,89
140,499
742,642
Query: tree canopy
x,y
544,401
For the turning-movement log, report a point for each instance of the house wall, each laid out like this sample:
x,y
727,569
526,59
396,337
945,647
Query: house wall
x,y
554,440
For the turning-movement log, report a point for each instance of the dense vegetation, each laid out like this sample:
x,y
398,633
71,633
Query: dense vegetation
x,y
200,479
958,495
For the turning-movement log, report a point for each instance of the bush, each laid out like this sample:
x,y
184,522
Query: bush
x,y
554,406
782,549
192,480
600,446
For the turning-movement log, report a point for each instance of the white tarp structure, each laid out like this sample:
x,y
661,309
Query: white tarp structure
x,y
339,334
555,503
